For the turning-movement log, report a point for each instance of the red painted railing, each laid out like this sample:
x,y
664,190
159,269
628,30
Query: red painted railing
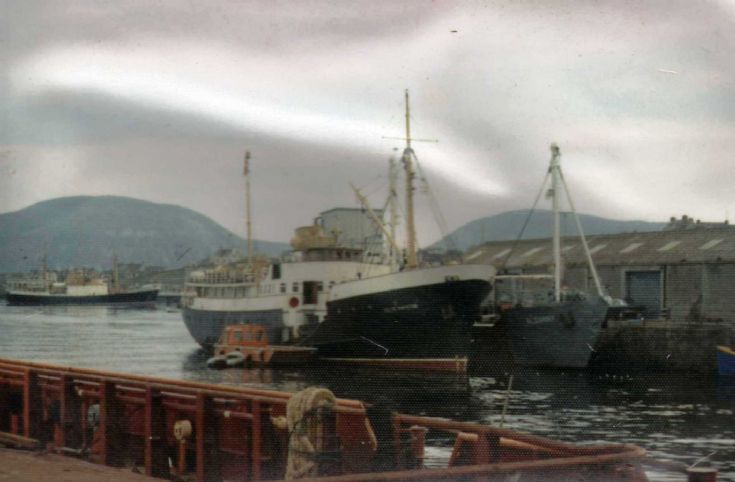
x,y
174,428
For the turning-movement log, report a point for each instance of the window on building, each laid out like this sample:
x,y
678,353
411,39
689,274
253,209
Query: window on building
x,y
283,287
276,271
295,287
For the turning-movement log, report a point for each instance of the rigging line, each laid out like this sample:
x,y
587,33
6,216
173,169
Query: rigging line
x,y
436,210
374,184
525,224
593,270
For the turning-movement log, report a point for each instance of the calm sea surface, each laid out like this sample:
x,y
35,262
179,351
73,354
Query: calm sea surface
x,y
673,416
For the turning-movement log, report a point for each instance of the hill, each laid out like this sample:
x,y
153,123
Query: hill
x,y
507,226
88,230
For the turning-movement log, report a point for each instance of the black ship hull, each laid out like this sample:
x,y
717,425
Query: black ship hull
x,y
426,326
556,335
19,299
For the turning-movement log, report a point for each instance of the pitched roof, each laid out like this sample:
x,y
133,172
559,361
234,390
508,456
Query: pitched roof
x,y
657,247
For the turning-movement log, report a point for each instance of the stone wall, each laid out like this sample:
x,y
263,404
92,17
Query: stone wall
x,y
658,345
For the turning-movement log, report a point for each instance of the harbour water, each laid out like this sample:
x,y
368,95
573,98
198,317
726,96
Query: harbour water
x,y
673,416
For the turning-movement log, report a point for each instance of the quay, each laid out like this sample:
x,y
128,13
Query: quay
x,y
659,346
679,281
181,430
17,465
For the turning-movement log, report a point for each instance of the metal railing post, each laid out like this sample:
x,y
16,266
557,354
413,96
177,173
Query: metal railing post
x,y
155,436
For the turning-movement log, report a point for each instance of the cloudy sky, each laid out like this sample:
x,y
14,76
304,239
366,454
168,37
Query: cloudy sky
x,y
159,100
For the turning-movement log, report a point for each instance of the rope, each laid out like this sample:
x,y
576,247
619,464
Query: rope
x,y
525,224
435,208
307,435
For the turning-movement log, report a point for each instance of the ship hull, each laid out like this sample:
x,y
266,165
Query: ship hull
x,y
19,299
206,326
426,326
557,335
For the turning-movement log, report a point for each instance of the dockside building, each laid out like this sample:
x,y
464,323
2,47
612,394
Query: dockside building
x,y
685,272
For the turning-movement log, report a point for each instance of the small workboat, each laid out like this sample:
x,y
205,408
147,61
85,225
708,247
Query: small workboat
x,y
245,345
726,360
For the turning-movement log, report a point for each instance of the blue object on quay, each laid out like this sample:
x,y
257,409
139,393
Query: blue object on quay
x,y
726,360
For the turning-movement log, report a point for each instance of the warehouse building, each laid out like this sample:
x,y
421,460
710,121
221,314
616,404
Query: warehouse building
x,y
685,272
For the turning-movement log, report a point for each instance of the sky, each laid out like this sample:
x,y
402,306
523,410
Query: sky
x,y
159,100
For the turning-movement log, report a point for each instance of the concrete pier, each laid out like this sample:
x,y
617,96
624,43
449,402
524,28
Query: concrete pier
x,y
660,345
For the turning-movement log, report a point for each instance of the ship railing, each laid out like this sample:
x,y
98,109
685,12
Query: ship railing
x,y
531,289
221,278
190,430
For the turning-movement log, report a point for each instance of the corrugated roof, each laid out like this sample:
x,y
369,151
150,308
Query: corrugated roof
x,y
657,247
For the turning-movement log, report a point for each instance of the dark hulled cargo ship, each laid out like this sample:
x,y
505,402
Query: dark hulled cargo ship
x,y
560,330
412,319
556,334
80,287
17,298
140,296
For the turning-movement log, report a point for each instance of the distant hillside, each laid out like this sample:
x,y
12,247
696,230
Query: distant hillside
x,y
86,231
507,226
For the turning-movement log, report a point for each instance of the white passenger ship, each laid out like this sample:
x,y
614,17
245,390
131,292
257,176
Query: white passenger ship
x,y
287,296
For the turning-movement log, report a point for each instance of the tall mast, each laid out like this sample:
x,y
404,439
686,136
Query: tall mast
x,y
115,273
411,258
246,173
555,192
393,200
45,266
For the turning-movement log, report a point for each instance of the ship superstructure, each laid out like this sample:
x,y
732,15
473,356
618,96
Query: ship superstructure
x,y
288,296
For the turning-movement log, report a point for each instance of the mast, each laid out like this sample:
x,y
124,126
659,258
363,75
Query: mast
x,y
595,277
556,241
411,258
115,273
374,217
557,184
393,200
246,173
45,267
